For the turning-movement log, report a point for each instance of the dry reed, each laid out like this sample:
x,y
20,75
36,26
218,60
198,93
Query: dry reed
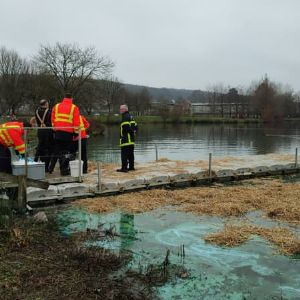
x,y
277,200
233,235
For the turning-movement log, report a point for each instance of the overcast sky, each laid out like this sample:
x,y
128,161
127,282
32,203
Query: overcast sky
x,y
168,43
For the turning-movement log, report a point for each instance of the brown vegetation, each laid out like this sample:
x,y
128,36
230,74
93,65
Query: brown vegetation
x,y
276,199
234,235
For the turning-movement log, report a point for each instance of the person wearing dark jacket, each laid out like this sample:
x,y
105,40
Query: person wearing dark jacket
x,y
128,129
44,149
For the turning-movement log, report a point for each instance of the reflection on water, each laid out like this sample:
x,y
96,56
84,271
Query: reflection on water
x,y
127,231
250,271
190,142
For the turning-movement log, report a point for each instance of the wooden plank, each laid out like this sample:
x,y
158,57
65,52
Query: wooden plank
x,y
8,177
30,182
60,180
6,185
38,183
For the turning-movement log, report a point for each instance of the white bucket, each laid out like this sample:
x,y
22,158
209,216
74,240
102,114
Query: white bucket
x,y
74,168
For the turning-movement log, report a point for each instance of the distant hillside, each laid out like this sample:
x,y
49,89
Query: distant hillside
x,y
169,94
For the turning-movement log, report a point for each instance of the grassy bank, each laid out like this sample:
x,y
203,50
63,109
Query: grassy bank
x,y
38,263
179,120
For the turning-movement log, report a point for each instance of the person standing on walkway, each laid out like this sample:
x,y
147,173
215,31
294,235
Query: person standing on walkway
x,y
45,136
84,125
10,137
128,129
65,122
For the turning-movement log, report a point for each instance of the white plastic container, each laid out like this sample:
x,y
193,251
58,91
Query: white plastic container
x,y
36,170
74,168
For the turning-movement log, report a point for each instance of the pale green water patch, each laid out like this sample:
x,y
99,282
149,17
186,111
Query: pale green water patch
x,y
250,271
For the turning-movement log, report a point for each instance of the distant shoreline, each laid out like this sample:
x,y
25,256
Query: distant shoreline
x,y
110,120
97,122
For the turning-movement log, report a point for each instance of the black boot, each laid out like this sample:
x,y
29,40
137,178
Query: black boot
x,y
122,170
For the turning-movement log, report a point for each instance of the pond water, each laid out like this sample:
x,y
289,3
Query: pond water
x,y
194,142
251,271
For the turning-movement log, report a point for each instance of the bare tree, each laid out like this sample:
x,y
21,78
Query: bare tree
x,y
264,99
144,100
13,73
39,86
216,98
163,110
232,98
111,88
89,96
71,65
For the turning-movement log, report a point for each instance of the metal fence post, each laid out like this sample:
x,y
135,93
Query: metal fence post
x,y
296,158
156,152
26,152
79,155
99,175
209,165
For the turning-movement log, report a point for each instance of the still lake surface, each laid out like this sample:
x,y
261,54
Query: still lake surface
x,y
194,142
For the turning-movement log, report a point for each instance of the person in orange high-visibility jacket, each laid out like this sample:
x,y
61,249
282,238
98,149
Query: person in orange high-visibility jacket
x,y
84,125
65,122
10,137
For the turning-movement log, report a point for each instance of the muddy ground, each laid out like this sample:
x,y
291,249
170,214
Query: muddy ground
x,y
38,263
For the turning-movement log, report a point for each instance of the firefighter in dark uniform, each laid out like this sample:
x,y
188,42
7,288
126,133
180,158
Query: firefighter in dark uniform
x,y
45,136
128,129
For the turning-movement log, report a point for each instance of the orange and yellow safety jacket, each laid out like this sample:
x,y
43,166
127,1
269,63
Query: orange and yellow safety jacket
x,y
84,125
65,115
11,136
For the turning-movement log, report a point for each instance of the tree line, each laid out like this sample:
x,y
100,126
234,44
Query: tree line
x,y
88,75
263,99
57,69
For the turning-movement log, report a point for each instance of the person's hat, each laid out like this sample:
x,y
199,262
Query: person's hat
x,y
43,102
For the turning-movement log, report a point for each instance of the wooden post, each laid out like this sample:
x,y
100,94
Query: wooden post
x,y
22,194
156,152
5,211
296,158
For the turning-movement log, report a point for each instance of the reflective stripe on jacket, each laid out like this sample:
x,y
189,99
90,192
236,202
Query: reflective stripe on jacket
x,y
84,125
11,136
64,115
128,128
